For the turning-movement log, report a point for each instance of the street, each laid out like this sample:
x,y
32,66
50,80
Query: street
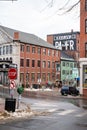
x,y
54,114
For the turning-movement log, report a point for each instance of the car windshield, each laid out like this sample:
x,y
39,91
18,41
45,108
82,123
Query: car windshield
x,y
65,87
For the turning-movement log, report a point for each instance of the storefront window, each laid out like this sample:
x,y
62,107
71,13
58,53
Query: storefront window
x,y
85,76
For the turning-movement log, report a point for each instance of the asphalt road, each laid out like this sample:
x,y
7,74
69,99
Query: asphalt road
x,y
55,115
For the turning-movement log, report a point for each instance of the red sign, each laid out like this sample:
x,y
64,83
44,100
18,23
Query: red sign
x,y
12,73
12,84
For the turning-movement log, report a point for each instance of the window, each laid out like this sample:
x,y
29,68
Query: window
x,y
49,52
10,49
28,49
57,54
70,72
44,51
71,65
3,50
22,48
44,64
27,62
33,49
27,77
67,64
7,49
33,77
53,64
57,67
11,59
38,63
86,26
33,63
86,5
39,50
38,77
86,50
75,65
48,76
43,77
22,77
7,59
53,76
63,63
63,72
48,64
53,52
21,62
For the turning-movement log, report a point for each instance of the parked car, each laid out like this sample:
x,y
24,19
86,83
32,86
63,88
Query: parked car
x,y
36,86
67,90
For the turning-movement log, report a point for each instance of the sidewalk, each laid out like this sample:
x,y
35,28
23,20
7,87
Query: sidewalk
x,y
23,111
48,93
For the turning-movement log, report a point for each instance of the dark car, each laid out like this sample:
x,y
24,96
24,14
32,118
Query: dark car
x,y
36,86
67,90
73,91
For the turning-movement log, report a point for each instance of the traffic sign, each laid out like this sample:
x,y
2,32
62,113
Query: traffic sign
x,y
12,73
12,84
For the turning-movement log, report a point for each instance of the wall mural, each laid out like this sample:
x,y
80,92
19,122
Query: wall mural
x,y
65,41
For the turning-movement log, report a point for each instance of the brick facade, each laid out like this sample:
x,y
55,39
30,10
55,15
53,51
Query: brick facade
x,y
41,57
83,47
36,59
83,34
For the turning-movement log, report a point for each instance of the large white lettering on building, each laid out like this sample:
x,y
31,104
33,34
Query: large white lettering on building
x,y
65,42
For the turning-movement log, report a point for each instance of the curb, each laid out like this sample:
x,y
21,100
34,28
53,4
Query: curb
x,y
50,94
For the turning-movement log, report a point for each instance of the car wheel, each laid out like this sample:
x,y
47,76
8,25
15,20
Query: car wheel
x,y
62,93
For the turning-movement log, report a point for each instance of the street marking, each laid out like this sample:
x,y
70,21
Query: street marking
x,y
81,114
66,112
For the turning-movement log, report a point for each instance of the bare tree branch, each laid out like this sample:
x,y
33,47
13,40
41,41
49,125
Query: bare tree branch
x,y
50,4
73,6
64,5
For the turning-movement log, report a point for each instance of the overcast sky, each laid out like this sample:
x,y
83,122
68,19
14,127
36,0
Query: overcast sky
x,y
34,16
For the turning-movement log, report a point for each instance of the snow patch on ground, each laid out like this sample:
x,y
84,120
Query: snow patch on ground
x,y
17,114
21,114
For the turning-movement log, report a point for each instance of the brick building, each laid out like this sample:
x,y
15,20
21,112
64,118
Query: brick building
x,y
68,43
83,47
36,60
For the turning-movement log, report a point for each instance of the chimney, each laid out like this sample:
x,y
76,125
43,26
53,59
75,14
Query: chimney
x,y
16,35
71,30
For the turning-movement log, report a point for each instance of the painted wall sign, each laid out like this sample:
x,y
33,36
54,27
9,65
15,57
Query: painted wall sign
x,y
65,41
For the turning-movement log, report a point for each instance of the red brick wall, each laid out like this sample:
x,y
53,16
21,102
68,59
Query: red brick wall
x,y
16,35
37,57
83,36
85,92
50,39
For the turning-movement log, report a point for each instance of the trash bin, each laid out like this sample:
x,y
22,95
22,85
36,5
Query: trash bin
x,y
10,104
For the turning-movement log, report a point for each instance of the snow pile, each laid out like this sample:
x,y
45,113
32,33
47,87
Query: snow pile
x,y
26,112
42,89
23,112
